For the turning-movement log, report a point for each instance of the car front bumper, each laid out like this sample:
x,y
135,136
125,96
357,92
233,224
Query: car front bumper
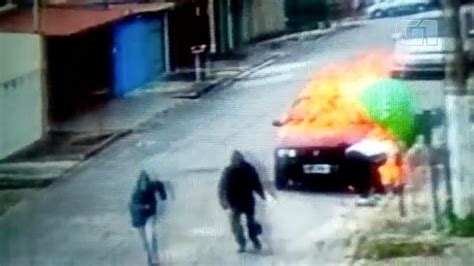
x,y
418,68
318,165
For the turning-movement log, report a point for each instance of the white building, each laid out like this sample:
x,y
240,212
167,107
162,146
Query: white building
x,y
21,92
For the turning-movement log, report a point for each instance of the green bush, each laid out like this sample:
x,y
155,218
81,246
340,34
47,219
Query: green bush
x,y
380,249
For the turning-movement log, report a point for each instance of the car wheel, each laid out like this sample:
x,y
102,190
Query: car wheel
x,y
281,180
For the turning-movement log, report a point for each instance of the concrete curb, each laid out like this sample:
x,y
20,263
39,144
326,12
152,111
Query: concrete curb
x,y
296,36
224,82
304,35
229,81
28,180
104,144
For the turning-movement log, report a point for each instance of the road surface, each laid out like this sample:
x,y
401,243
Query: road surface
x,y
83,218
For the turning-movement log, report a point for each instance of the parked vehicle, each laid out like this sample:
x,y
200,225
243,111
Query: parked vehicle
x,y
428,50
321,158
386,8
426,47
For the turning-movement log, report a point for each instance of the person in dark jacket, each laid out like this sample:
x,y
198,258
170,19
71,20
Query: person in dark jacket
x,y
142,206
238,182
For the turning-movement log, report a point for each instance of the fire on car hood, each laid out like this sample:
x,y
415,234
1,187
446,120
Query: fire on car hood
x,y
323,138
327,112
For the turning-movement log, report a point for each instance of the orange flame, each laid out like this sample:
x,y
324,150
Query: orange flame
x,y
330,102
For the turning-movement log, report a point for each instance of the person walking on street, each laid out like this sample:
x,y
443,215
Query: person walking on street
x,y
142,207
238,182
263,209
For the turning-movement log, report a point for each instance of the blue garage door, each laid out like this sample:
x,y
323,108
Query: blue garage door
x,y
138,53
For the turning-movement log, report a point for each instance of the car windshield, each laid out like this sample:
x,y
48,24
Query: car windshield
x,y
425,28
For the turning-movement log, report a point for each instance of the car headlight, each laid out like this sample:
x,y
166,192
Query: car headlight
x,y
291,153
281,153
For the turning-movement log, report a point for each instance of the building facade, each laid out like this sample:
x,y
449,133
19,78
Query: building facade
x,y
237,23
22,103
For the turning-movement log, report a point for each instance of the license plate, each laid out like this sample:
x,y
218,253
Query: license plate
x,y
317,168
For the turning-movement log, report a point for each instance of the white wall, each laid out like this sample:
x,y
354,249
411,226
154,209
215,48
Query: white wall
x,y
21,110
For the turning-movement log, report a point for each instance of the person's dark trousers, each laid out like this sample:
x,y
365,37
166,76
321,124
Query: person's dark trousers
x,y
361,178
253,227
364,183
361,170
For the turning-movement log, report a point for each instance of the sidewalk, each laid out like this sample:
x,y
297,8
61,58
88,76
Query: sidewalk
x,y
347,23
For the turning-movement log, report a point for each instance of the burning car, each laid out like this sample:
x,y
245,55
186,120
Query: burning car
x,y
337,133
339,156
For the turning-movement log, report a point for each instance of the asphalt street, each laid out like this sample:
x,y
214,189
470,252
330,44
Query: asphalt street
x,y
83,218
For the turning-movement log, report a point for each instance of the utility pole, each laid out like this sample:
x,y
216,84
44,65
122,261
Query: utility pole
x,y
212,27
230,25
457,115
211,15
36,16
166,29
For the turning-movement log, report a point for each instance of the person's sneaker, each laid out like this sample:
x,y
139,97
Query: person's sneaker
x,y
377,197
153,261
257,245
366,202
241,249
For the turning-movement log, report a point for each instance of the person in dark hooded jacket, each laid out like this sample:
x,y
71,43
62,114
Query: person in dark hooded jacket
x,y
238,182
142,207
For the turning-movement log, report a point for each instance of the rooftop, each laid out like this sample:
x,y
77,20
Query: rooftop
x,y
64,21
